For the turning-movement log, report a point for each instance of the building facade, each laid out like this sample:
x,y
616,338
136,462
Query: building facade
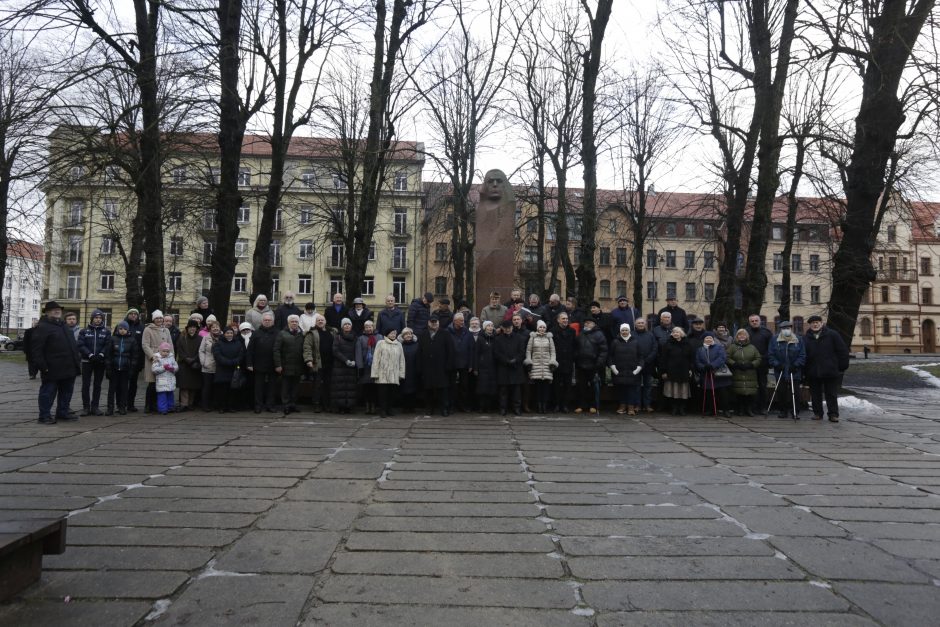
x,y
89,211
22,287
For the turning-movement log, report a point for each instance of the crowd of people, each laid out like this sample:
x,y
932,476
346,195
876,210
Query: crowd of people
x,y
515,356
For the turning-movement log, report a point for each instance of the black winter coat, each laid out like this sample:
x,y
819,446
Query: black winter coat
x,y
412,382
592,350
625,355
649,349
93,342
335,318
136,329
260,355
676,360
228,355
826,354
679,317
418,316
760,338
566,348
343,389
54,350
484,363
326,350
359,319
121,355
446,317
283,311
189,375
436,359
509,351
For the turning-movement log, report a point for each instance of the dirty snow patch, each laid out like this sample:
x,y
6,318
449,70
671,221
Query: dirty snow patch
x,y
928,378
160,607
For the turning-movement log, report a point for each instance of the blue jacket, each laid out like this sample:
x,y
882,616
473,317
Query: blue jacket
x,y
122,353
463,347
389,319
787,357
93,342
620,316
418,316
710,359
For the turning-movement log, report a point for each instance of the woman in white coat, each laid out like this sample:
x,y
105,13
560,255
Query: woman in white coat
x,y
540,359
388,369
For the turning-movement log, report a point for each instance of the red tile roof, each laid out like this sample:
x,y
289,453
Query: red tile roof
x,y
25,250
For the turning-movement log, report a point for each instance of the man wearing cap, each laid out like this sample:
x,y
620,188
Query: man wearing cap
x,y
444,314
787,354
827,357
436,360
93,344
54,353
335,312
679,317
286,309
601,320
697,331
419,312
495,311
623,314
135,328
590,362
154,335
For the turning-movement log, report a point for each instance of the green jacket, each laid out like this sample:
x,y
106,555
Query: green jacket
x,y
744,361
289,353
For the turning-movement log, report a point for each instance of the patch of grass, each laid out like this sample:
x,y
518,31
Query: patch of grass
x,y
13,357
881,374
934,370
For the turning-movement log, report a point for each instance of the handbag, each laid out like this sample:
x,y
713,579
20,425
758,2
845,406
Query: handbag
x,y
238,379
723,371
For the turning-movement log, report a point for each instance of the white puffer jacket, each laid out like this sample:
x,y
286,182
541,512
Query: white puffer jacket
x,y
540,354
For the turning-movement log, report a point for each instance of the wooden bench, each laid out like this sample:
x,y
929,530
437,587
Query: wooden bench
x,y
22,545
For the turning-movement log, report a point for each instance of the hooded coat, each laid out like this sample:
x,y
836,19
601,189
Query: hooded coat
x,y
540,356
206,357
122,353
388,362
418,316
153,336
744,360
164,371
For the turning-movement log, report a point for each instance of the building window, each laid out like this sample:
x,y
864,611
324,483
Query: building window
x,y
401,221
708,231
244,215
605,289
107,282
275,287
776,233
238,316
670,259
604,256
440,251
240,283
906,328
709,292
110,209
671,289
274,252
304,284
174,281
651,258
892,233
339,181
208,248
885,327
621,256
279,219
669,229
865,327
206,283
368,286
336,285
778,262
213,175
814,294
306,249
241,248
689,229
108,245
690,292
440,285
176,246
73,285
401,181
884,294
621,288
778,293
814,263
208,220
797,293
179,175
690,260
652,289
308,179
371,251
926,296
398,289
244,177
76,209
399,257
796,263
337,257
306,214
905,294
532,226
75,249
708,259
925,266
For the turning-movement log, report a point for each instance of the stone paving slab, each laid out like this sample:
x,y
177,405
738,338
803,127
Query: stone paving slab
x,y
478,520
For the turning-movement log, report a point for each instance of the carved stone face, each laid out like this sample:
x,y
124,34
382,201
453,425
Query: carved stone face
x,y
493,185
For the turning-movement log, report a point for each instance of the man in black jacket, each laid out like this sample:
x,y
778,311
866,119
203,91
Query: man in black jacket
x,y
649,351
827,357
436,359
566,345
55,354
760,337
590,362
136,330
679,317
260,361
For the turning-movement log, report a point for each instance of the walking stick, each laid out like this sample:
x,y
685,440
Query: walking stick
x,y
776,387
597,392
793,395
711,376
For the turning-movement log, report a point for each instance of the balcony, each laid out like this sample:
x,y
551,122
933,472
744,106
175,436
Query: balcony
x,y
70,258
893,275
399,267
70,293
275,261
73,224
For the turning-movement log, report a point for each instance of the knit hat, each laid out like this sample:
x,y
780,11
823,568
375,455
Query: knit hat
x,y
132,310
344,322
193,323
541,325
245,325
165,346
123,325
211,318
625,326
201,300
156,314
197,317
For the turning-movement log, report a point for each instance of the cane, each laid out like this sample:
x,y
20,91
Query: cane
x,y
776,387
711,376
793,396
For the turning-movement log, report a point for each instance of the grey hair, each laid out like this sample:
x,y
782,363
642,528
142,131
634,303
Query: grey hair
x,y
267,314
293,318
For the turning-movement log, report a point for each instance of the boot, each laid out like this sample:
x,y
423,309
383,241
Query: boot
x,y
631,410
622,408
682,407
674,410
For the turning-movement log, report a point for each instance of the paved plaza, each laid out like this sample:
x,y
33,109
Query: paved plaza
x,y
201,519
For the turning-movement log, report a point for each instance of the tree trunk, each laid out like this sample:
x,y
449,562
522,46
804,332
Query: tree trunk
x,y
879,118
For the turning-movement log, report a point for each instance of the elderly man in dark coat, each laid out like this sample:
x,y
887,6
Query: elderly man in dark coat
x,y
509,350
827,357
760,337
55,355
260,361
436,361
566,346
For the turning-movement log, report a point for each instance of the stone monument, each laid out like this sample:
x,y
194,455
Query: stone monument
x,y
494,250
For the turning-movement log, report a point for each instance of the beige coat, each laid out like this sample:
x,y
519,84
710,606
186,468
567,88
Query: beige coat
x,y
206,358
150,342
540,354
388,362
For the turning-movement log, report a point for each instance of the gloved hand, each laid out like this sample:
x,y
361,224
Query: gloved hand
x,y
512,362
614,370
350,363
169,368
638,370
100,356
